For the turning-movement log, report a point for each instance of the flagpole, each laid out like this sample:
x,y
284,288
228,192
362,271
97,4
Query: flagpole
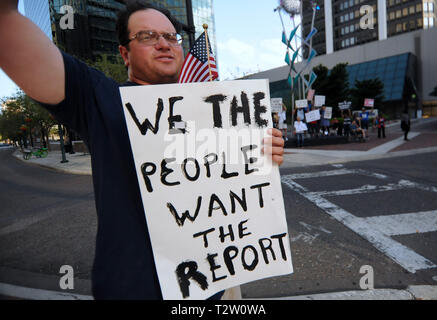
x,y
205,27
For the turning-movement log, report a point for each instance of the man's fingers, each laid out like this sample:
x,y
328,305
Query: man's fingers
x,y
274,141
278,159
279,151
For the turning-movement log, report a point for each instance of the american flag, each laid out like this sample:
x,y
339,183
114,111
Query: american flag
x,y
195,68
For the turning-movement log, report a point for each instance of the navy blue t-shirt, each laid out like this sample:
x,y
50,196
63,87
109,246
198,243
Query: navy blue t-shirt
x,y
124,267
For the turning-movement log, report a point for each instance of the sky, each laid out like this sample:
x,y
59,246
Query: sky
x,y
248,34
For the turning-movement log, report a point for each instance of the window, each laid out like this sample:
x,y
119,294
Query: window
x,y
346,30
342,43
341,6
351,15
425,7
431,7
404,26
412,24
392,15
352,28
419,22
347,42
346,5
431,22
342,31
425,23
405,12
398,27
341,19
411,9
419,7
391,3
398,13
346,17
352,41
351,3
357,13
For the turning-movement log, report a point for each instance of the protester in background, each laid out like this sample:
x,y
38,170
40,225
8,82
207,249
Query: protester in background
x,y
405,124
299,129
324,123
357,131
275,118
283,122
347,123
364,115
380,124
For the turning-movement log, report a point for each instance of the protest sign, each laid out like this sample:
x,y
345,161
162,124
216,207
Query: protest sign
x,y
310,95
213,202
369,103
328,113
344,105
312,116
276,104
300,104
319,101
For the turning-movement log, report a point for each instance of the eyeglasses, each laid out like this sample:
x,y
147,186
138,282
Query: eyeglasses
x,y
150,38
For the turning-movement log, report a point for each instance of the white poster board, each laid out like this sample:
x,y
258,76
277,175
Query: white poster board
x,y
300,104
319,101
276,104
312,116
344,105
328,113
369,103
213,203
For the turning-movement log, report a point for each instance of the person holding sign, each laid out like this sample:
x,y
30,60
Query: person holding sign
x,y
85,100
300,130
282,125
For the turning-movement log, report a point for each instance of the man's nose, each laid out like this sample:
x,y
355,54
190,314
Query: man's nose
x,y
162,43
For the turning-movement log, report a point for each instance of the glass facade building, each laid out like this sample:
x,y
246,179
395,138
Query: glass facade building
x,y
94,30
397,17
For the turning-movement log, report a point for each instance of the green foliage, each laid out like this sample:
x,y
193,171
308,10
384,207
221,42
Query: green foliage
x,y
21,112
367,89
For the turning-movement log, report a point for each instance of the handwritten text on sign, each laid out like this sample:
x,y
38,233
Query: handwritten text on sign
x,y
213,202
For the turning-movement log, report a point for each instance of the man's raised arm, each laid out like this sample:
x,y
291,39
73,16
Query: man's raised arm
x,y
28,57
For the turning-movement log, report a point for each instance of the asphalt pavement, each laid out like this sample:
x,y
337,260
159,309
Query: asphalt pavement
x,y
423,140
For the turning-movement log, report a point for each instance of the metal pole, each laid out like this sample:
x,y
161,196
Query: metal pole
x,y
190,20
61,139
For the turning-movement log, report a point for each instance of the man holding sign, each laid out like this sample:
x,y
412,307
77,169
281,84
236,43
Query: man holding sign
x,y
90,103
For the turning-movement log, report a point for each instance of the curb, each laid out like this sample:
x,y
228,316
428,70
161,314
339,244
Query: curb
x,y
417,292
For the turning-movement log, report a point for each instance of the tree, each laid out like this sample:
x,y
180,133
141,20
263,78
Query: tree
x,y
334,85
434,92
367,89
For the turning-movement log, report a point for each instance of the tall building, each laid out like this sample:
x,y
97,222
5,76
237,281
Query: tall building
x,y
94,30
338,21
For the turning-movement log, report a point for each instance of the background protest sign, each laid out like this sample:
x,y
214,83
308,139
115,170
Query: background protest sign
x,y
344,105
300,104
276,104
312,116
215,222
369,103
310,95
319,101
328,113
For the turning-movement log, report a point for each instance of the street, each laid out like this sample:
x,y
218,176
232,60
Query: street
x,y
378,213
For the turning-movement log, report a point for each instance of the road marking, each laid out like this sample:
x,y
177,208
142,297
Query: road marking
x,y
38,294
338,172
377,230
405,223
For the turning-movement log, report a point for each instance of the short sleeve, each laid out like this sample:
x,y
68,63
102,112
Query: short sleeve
x,y
79,96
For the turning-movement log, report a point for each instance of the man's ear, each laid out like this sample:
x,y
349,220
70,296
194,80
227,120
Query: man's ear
x,y
124,52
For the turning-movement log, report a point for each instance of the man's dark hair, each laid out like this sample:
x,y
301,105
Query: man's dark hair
x,y
132,7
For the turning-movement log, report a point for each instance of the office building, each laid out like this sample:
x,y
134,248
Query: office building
x,y
338,21
94,30
405,63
